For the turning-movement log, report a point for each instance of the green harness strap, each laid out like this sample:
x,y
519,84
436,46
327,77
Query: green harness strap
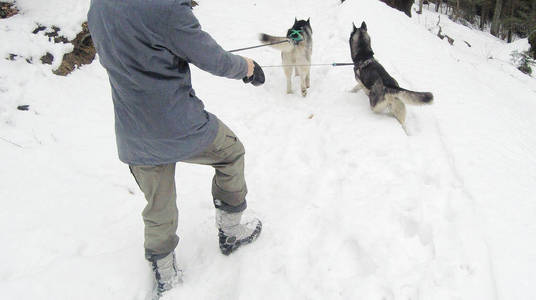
x,y
296,35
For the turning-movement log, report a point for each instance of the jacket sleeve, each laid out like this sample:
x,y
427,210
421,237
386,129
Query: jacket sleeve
x,y
188,41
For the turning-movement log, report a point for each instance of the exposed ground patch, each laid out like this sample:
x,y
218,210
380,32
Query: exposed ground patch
x,y
7,10
83,50
82,54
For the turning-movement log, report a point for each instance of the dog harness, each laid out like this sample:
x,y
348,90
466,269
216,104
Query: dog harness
x,y
365,63
296,36
359,66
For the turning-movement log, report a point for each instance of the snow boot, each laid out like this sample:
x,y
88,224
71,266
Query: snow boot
x,y
232,234
166,275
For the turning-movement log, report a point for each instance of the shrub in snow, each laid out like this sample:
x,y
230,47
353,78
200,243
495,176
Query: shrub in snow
x,y
523,61
402,5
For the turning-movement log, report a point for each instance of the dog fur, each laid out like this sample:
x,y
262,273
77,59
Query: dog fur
x,y
295,53
382,89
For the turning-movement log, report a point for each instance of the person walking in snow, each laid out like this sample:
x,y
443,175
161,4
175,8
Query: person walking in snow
x,y
146,47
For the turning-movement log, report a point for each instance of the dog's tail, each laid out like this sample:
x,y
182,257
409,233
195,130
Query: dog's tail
x,y
411,97
283,47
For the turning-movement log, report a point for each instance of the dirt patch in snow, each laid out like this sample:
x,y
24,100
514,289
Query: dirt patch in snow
x,y
83,50
82,54
7,10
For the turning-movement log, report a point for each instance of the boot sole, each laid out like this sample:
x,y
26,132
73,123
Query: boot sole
x,y
227,249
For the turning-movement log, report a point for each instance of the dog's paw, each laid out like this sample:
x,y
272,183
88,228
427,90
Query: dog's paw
x,y
408,133
304,93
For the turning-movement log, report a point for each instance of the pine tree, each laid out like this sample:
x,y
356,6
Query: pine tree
x,y
495,23
510,19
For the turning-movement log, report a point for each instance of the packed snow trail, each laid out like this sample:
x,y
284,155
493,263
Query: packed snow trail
x,y
352,207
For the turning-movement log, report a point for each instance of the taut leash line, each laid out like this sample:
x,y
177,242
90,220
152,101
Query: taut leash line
x,y
263,45
288,41
310,65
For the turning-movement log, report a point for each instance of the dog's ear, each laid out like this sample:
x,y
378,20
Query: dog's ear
x,y
295,20
308,21
354,28
364,26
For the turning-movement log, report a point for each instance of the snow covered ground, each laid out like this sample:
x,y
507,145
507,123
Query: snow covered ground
x,y
352,207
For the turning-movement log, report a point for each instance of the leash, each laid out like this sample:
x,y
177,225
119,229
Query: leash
x,y
310,65
8,141
263,45
295,36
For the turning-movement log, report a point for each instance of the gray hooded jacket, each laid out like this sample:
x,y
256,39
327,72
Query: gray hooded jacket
x,y
146,46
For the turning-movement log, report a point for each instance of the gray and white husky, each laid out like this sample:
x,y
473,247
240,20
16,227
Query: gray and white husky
x,y
296,54
382,89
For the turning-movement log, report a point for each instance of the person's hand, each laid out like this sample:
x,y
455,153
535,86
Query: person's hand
x,y
251,66
257,75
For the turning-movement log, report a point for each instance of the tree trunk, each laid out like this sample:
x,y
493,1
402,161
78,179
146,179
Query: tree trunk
x,y
438,4
483,16
532,42
457,12
495,23
473,12
511,27
420,6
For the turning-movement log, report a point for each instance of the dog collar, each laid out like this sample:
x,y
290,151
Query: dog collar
x,y
365,63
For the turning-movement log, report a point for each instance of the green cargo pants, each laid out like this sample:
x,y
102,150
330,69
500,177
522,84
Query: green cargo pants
x,y
226,155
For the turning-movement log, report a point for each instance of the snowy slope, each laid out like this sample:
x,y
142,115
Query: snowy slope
x,y
352,207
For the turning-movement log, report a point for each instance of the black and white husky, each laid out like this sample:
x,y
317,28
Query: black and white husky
x,y
296,53
382,89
